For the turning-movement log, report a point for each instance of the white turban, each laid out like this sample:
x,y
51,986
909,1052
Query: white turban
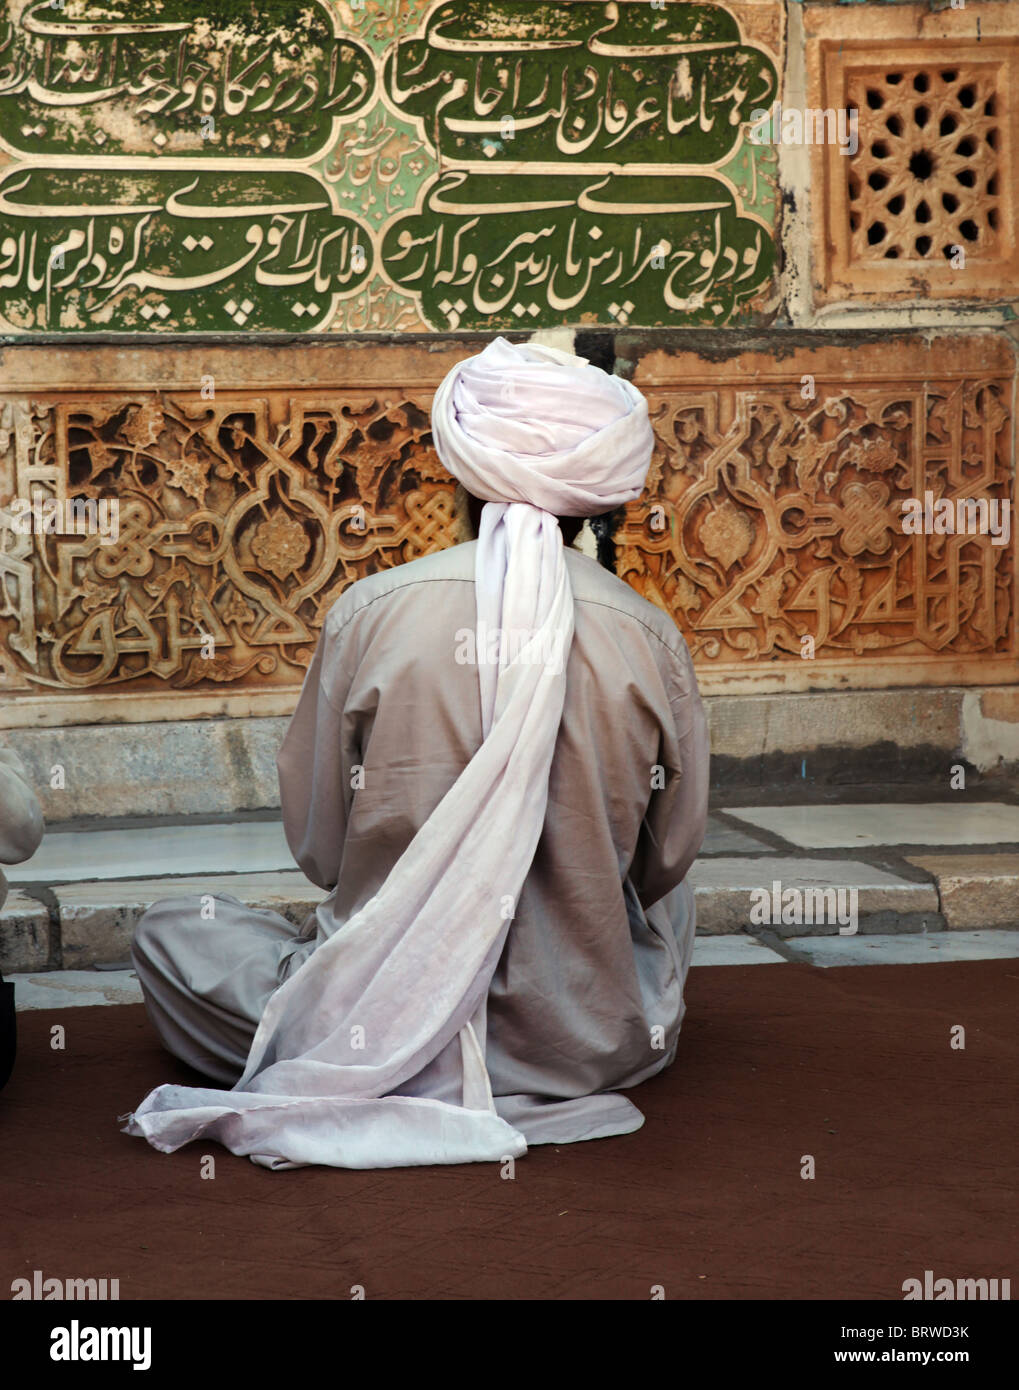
x,y
539,433
529,423
536,433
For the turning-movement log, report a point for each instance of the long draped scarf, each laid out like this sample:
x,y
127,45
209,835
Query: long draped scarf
x,y
534,432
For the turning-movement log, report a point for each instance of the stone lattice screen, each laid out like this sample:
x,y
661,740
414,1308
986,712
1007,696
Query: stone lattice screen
x,y
926,206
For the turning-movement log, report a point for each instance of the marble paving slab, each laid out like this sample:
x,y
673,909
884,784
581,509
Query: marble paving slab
x,y
733,950
159,851
239,848
720,838
74,989
856,827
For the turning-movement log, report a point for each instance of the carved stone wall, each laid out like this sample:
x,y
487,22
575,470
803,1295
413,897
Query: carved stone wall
x,y
241,515
773,528
375,189
773,514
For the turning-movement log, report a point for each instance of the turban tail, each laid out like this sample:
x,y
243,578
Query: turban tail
x,y
535,433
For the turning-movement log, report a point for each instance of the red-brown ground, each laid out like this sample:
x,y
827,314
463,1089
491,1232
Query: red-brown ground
x,y
914,1146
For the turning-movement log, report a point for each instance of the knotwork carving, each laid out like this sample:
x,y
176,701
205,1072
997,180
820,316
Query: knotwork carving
x,y
241,520
773,523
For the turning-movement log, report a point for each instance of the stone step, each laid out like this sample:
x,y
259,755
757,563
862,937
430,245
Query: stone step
x,y
94,921
72,989
975,890
904,948
76,902
740,893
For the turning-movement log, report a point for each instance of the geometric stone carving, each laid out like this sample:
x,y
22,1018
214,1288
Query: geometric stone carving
x,y
906,201
772,527
253,486
242,514
926,206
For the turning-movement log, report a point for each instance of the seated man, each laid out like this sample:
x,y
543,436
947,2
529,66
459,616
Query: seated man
x,y
497,769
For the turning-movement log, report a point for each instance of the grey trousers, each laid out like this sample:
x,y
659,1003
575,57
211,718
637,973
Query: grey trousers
x,y
207,979
208,965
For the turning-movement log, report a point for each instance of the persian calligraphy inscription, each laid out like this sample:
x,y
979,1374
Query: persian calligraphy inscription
x,y
169,77
772,528
247,261
175,166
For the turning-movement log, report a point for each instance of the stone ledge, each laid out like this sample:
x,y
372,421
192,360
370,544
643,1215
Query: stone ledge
x,y
24,934
217,766
975,890
97,920
179,768
723,888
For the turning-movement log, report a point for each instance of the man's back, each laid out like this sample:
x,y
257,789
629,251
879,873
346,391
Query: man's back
x,y
391,716
507,930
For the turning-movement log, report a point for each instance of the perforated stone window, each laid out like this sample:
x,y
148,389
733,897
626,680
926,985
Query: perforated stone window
x,y
926,178
926,206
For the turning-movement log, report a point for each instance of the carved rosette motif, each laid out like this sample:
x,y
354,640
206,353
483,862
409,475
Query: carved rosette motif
x,y
773,526
236,534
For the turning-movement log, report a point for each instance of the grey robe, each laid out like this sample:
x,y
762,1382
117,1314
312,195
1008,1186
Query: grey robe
x,y
588,993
